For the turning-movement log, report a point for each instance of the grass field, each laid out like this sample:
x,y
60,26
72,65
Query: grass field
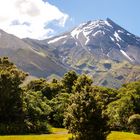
x,y
37,137
61,134
123,136
59,130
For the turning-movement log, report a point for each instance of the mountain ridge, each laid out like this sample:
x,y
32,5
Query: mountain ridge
x,y
101,48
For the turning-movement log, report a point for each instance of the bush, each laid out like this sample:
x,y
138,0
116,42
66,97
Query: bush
x,y
37,127
58,105
37,112
119,112
11,129
134,123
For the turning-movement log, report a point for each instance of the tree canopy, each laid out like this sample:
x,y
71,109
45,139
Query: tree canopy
x,y
87,111
84,118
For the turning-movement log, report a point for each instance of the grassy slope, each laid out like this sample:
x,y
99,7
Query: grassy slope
x,y
60,134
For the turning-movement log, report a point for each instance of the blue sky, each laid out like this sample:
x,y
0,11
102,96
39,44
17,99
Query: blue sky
x,y
123,12
41,19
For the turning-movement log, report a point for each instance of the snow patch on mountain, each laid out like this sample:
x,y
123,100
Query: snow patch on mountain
x,y
89,49
75,33
93,24
120,31
76,43
57,39
64,42
116,35
125,54
40,53
108,24
97,33
87,32
128,34
118,45
112,39
88,39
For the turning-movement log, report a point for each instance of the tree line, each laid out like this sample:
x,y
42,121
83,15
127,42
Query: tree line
x,y
87,111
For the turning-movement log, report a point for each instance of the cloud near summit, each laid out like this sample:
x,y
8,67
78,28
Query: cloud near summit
x,y
29,18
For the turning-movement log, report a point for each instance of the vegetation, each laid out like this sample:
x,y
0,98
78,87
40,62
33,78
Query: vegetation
x,y
59,105
36,113
84,118
134,123
127,104
87,111
11,98
69,80
21,111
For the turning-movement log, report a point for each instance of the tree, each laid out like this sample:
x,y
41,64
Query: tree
x,y
126,104
104,95
11,95
68,81
81,82
53,89
119,111
37,85
21,111
37,112
84,118
132,89
49,90
59,105
134,123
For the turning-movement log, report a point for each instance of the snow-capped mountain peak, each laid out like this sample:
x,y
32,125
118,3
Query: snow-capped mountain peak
x,y
102,39
87,28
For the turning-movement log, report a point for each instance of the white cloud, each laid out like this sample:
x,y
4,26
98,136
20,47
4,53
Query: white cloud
x,y
29,18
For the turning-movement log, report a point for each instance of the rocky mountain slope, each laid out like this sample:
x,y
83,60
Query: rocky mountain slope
x,y
36,62
100,48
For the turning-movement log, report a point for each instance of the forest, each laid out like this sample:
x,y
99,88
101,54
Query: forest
x,y
89,112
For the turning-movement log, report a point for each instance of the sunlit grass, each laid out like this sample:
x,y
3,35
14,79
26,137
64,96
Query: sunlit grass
x,y
61,134
123,136
37,137
59,130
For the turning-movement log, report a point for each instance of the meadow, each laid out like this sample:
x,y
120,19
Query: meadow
x,y
61,134
123,136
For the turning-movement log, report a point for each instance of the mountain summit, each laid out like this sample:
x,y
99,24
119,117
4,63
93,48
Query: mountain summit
x,y
100,48
103,39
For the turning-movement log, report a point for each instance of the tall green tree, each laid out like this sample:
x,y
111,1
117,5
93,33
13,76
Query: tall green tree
x,y
105,95
84,118
126,105
119,112
11,97
68,81
59,105
37,110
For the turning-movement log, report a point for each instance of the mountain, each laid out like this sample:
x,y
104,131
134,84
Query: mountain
x,y
100,48
101,39
36,62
